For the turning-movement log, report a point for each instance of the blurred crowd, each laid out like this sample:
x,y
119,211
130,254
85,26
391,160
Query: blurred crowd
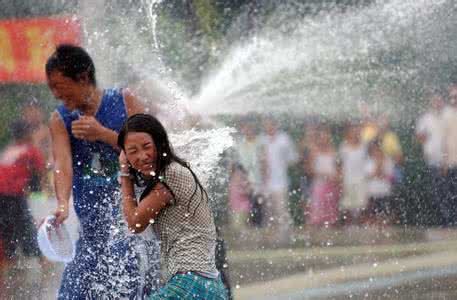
x,y
349,183
348,177
353,182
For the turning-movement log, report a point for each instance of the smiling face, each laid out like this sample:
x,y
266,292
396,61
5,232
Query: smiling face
x,y
141,152
70,92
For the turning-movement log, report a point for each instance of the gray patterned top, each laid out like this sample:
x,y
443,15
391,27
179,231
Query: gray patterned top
x,y
186,226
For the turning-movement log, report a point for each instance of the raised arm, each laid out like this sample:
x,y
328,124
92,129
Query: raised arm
x,y
139,216
63,172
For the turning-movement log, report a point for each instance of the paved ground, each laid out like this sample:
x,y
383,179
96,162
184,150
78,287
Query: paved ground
x,y
437,288
324,272
358,278
350,263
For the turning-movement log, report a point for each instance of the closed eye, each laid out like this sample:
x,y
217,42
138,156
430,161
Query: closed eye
x,y
131,151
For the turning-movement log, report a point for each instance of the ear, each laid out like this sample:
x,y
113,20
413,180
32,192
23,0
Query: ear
x,y
83,78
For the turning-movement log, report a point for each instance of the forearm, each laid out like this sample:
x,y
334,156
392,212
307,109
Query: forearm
x,y
109,137
62,186
63,167
129,203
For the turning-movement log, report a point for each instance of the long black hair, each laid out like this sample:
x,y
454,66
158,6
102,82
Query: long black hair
x,y
165,155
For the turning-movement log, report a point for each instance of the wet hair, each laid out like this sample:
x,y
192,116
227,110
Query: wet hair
x,y
19,130
73,62
165,155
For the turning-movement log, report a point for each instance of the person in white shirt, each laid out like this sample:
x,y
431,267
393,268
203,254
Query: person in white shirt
x,y
323,209
245,185
353,154
379,175
430,133
450,157
280,153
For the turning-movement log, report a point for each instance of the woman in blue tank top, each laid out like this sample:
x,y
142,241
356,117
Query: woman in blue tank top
x,y
84,132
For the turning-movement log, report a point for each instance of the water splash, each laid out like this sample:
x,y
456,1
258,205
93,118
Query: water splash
x,y
152,14
203,149
128,261
128,37
327,63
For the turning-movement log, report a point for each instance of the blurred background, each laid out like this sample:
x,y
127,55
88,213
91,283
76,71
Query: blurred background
x,y
331,156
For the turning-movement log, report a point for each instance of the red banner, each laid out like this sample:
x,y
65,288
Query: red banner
x,y
26,44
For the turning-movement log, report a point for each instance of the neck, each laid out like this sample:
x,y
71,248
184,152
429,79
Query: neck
x,y
92,101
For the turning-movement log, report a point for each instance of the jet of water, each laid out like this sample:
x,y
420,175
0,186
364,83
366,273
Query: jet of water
x,y
326,64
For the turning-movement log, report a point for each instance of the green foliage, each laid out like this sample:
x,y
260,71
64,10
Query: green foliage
x,y
188,36
206,16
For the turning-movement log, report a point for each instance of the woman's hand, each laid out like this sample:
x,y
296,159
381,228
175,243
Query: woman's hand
x,y
123,162
87,128
61,214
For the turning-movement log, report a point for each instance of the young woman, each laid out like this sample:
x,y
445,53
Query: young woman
x,y
325,187
353,154
175,204
84,131
380,175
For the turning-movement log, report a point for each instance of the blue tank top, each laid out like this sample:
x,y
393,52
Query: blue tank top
x,y
95,165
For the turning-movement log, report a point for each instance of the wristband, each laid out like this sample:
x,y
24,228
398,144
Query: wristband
x,y
123,174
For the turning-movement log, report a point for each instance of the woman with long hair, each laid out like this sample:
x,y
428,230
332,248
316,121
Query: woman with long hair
x,y
175,204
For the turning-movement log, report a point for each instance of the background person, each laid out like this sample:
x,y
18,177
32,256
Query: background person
x,y
20,162
430,133
175,204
